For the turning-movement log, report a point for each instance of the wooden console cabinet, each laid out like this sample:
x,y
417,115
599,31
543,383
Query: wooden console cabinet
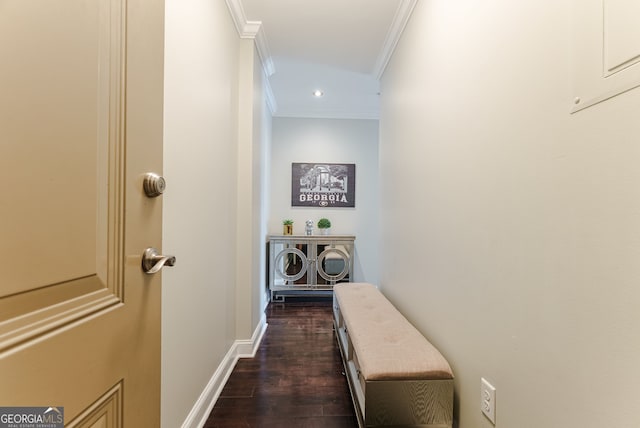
x,y
309,264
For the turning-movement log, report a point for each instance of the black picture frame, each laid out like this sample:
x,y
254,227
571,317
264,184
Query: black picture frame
x,y
323,185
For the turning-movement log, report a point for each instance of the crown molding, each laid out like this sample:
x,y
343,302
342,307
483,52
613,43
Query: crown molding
x,y
251,30
240,19
405,8
265,54
269,95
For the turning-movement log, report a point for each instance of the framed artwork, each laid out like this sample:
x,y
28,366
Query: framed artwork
x,y
325,185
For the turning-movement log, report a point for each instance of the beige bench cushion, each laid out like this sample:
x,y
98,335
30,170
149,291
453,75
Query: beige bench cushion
x,y
387,346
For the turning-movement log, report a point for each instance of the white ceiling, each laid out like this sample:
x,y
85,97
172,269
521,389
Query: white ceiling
x,y
338,46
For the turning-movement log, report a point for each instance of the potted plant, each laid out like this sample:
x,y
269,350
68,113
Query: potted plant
x,y
288,227
324,225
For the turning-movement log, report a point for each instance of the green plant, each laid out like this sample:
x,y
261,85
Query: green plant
x,y
324,223
287,222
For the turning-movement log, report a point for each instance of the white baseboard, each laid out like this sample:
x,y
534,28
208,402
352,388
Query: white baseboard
x,y
240,349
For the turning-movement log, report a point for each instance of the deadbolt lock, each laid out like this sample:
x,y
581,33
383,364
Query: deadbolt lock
x,y
153,184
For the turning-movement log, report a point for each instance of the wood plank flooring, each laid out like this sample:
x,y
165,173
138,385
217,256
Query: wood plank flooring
x,y
295,379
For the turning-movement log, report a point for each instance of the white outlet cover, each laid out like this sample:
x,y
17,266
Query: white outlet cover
x,y
488,400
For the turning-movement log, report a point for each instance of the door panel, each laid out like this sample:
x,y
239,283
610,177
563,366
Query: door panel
x,y
52,156
104,413
80,123
58,146
45,130
605,50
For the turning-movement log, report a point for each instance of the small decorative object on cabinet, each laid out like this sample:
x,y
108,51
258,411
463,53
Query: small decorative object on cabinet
x,y
308,230
324,225
303,264
287,227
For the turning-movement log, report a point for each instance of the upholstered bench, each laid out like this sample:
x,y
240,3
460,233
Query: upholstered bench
x,y
396,377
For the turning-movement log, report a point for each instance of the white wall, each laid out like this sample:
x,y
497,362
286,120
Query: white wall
x,y
519,252
330,141
200,165
262,127
254,136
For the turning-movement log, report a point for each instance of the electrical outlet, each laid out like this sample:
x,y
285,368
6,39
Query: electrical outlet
x,y
488,400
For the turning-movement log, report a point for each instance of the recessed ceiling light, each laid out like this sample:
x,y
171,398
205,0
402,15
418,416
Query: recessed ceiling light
x,y
318,93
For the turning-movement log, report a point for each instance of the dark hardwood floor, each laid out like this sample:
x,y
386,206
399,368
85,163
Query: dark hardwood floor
x,y
295,379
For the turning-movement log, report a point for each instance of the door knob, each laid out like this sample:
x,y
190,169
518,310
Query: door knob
x,y
152,262
153,184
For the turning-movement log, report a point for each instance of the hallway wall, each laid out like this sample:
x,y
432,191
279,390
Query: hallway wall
x,y
201,165
254,143
331,141
519,253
